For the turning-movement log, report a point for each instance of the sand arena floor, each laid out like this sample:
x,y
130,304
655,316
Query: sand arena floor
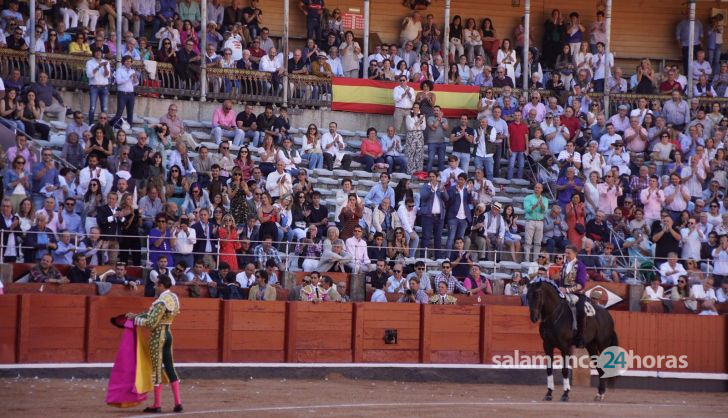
x,y
336,396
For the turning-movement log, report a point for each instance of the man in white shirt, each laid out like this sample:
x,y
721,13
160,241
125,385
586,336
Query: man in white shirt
x,y
98,73
335,62
246,278
485,141
598,61
126,79
392,147
91,171
620,120
404,97
184,243
397,282
407,214
704,294
701,66
271,64
278,182
671,270
181,159
333,146
692,240
449,176
357,247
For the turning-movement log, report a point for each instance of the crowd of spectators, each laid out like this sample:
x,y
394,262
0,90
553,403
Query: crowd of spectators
x,y
645,184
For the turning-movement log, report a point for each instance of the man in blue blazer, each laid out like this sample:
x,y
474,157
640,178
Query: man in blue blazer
x,y
205,248
458,211
433,198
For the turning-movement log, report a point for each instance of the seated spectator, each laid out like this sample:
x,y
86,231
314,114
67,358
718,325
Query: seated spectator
x,y
196,275
336,259
397,282
671,270
79,272
478,283
225,125
118,275
231,290
414,294
554,231
265,252
443,297
45,272
702,296
261,290
654,292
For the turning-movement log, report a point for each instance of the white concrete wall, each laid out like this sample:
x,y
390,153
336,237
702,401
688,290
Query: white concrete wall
x,y
195,110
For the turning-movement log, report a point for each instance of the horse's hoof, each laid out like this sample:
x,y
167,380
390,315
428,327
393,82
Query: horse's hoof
x,y
565,397
599,397
548,397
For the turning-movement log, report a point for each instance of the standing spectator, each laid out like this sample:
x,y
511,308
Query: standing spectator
x,y
554,35
599,74
108,218
351,55
682,34
518,138
555,230
414,149
313,10
404,97
459,215
432,212
437,135
666,237
676,197
215,12
535,206
126,80
676,111
462,138
98,73
162,239
392,147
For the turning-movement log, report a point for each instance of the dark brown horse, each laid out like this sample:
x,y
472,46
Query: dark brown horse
x,y
546,305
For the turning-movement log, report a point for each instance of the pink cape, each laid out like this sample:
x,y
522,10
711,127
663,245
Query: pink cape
x,y
122,389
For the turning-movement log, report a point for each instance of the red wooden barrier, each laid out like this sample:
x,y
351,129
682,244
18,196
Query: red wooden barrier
x,y
8,328
75,328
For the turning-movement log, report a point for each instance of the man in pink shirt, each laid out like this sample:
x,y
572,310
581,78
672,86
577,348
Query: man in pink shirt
x,y
224,125
177,127
652,197
609,192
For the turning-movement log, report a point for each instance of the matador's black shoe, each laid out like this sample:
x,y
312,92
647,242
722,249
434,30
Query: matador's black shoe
x,y
152,410
178,408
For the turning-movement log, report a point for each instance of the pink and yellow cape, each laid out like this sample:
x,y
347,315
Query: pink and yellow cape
x,y
131,376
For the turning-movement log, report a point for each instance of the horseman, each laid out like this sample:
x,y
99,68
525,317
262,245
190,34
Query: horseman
x,y
573,284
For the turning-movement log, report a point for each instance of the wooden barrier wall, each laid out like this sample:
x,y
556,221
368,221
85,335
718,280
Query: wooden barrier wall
x,y
39,328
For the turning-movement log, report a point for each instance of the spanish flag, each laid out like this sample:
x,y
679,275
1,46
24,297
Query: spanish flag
x,y
370,96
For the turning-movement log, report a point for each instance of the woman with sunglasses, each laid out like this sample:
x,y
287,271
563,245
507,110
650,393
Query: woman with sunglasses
x,y
312,148
268,153
162,239
11,109
244,162
195,199
167,53
93,199
129,244
79,46
229,243
16,182
238,197
176,187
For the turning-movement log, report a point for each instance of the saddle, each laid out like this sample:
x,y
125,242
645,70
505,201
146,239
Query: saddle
x,y
573,299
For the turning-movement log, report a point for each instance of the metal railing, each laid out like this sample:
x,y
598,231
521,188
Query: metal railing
x,y
630,269
68,71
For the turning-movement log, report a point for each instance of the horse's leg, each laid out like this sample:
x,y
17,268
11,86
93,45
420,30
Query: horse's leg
x,y
594,351
549,351
565,375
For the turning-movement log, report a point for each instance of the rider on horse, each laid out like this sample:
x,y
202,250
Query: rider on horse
x,y
573,284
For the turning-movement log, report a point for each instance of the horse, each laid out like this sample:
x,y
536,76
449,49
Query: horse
x,y
546,305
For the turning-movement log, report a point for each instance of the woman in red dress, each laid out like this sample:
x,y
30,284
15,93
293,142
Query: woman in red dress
x,y
575,214
229,242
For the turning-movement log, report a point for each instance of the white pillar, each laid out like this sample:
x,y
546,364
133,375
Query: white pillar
x,y
446,39
691,48
31,31
525,65
119,16
286,17
366,38
607,51
203,51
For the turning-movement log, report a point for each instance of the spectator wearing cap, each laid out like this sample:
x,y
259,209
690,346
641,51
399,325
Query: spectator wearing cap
x,y
620,120
494,229
618,157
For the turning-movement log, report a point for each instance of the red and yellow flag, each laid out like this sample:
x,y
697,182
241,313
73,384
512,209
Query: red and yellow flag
x,y
370,96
